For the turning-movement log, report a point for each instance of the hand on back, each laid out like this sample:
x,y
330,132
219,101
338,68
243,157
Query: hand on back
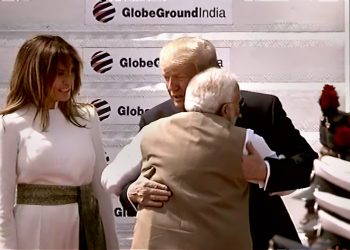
x,y
253,165
148,193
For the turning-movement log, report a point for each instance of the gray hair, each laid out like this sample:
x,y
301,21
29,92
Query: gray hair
x,y
209,90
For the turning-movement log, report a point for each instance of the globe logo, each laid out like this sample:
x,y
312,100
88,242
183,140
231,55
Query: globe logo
x,y
103,108
104,11
107,157
101,62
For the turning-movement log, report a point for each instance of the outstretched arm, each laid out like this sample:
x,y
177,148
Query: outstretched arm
x,y
125,168
119,178
145,192
255,168
293,171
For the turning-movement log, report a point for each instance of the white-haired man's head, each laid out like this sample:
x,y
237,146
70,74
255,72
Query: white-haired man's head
x,y
214,91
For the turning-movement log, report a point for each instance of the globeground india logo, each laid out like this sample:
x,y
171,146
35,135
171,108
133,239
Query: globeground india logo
x,y
101,62
104,11
103,108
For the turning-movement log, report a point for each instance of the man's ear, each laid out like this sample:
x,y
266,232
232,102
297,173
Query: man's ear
x,y
225,110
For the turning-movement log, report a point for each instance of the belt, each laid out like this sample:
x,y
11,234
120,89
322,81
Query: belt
x,y
91,233
48,195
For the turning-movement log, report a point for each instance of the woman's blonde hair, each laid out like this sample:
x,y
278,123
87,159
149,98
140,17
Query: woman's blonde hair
x,y
34,72
189,50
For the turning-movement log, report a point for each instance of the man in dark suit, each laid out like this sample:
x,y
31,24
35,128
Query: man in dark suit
x,y
180,60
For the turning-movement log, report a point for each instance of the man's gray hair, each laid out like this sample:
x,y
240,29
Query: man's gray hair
x,y
209,90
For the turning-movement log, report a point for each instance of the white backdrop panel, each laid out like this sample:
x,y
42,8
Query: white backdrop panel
x,y
7,59
127,110
134,61
288,15
41,13
179,12
288,60
251,60
205,15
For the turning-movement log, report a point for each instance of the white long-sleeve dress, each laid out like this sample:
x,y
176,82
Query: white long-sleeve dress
x,y
63,155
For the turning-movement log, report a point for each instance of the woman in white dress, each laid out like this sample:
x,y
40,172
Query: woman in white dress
x,y
51,156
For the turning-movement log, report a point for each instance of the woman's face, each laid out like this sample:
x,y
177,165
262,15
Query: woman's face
x,y
63,84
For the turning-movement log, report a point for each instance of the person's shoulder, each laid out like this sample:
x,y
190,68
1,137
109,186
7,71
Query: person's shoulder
x,y
17,118
258,101
11,118
87,111
161,120
257,97
163,109
166,122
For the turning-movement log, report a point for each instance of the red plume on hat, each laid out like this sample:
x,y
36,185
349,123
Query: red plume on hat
x,y
335,124
329,100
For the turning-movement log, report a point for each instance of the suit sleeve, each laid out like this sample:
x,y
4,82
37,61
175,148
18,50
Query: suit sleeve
x,y
124,168
8,159
294,171
123,198
104,198
126,203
